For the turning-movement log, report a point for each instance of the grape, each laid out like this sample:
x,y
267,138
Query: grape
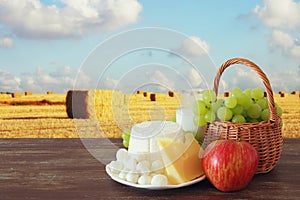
x,y
254,111
238,118
199,108
263,103
244,101
173,119
250,120
224,113
210,116
216,105
245,114
209,96
238,110
249,106
199,120
265,114
248,92
279,111
236,91
126,138
230,102
257,93
126,135
125,143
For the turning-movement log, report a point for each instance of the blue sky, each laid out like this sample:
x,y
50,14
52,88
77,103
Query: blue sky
x,y
59,45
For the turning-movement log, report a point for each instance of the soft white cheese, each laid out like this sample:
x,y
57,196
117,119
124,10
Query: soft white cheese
x,y
143,163
143,137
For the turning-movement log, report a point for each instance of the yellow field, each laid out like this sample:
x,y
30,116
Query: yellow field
x,y
291,114
30,119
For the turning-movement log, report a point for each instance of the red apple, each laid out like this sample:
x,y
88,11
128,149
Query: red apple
x,y
229,165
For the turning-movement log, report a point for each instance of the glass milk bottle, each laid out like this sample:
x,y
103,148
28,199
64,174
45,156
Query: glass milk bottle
x,y
185,114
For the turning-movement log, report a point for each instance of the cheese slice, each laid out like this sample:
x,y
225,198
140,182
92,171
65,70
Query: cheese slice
x,y
181,159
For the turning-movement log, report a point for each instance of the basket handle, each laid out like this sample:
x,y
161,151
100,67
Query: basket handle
x,y
272,107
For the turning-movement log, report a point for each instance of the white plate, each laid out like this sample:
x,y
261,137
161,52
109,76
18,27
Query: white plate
x,y
153,187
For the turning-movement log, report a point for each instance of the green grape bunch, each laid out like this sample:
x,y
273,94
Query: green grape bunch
x,y
126,138
240,106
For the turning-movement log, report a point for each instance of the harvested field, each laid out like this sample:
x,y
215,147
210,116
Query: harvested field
x,y
290,105
23,117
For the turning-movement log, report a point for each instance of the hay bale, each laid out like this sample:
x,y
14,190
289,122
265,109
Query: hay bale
x,y
265,94
295,92
281,93
171,94
3,95
27,93
145,94
16,94
161,97
50,92
226,94
152,97
117,98
80,104
139,92
103,97
133,99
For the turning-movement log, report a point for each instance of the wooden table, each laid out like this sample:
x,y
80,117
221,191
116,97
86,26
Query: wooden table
x,y
64,169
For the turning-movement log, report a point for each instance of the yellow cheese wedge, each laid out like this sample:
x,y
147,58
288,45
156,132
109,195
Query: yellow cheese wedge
x,y
181,159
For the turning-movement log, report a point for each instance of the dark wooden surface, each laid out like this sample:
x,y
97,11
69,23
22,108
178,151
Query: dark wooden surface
x,y
64,169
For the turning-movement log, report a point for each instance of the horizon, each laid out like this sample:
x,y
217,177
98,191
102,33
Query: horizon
x,y
136,92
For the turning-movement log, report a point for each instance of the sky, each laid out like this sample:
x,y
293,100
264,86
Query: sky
x,y
128,45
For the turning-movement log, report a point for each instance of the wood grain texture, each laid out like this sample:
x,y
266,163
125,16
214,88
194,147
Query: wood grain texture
x,y
64,169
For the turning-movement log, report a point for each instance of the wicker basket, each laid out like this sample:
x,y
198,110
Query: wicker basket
x,y
265,136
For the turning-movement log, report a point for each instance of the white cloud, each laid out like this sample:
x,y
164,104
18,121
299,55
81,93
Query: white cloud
x,y
29,83
32,19
151,79
282,39
162,80
193,47
195,78
6,42
41,81
295,51
279,14
282,17
110,83
82,81
8,82
284,79
239,77
285,42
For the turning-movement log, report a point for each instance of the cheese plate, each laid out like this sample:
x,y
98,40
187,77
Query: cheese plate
x,y
152,187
